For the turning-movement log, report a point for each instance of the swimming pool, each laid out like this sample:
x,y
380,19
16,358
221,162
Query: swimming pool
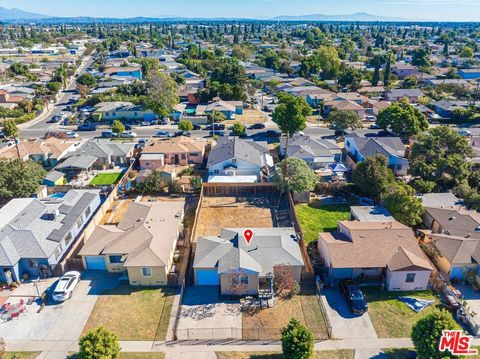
x,y
57,195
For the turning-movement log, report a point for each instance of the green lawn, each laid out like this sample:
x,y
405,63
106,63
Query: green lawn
x,y
392,318
106,179
400,353
316,217
134,313
21,355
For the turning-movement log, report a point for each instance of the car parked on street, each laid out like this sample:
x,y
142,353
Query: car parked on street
x,y
87,127
127,134
163,134
257,126
353,296
72,134
108,134
65,286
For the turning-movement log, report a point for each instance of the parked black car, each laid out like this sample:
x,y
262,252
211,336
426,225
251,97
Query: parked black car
x,y
257,126
353,296
196,127
87,127
218,126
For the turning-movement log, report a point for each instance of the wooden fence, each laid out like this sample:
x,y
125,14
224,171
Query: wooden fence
x,y
232,189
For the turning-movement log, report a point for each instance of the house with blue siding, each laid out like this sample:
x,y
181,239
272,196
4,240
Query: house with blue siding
x,y
35,234
455,233
392,148
469,74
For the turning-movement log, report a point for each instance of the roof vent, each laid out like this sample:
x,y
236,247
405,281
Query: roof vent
x,y
50,215
452,218
468,235
477,229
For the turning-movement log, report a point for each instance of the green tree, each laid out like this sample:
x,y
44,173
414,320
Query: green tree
x,y
403,205
162,93
441,156
118,126
238,129
373,177
153,182
290,115
86,79
426,334
470,195
467,52
54,86
343,120
216,116
297,341
299,177
410,82
185,126
388,71
328,61
350,78
20,178
402,118
10,129
421,57
196,183
99,343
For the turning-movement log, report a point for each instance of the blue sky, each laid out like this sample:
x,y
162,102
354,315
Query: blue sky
x,y
450,10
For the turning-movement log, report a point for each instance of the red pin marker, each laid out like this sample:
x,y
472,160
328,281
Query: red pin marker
x,y
248,234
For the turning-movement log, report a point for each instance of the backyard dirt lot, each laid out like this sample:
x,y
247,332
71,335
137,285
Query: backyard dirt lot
x,y
234,212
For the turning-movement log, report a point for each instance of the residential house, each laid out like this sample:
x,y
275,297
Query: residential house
x,y
237,160
106,153
317,152
391,148
241,268
403,70
142,245
175,151
344,105
411,95
469,74
109,111
383,250
446,108
55,178
229,108
455,235
35,233
48,152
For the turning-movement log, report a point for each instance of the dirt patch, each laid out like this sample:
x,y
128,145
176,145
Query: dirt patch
x,y
251,116
234,212
116,211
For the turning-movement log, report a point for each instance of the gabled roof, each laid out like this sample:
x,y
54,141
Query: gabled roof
x,y
145,236
303,146
372,146
372,245
459,223
234,147
230,252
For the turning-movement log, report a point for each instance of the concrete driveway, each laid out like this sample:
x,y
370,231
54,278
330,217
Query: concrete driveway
x,y
345,325
58,321
205,316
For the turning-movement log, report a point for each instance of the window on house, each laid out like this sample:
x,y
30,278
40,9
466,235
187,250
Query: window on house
x,y
87,212
216,172
347,143
147,271
79,222
184,156
234,160
410,278
244,279
58,251
115,259
68,238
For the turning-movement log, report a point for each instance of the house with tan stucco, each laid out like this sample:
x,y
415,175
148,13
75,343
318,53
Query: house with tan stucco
x,y
141,245
386,251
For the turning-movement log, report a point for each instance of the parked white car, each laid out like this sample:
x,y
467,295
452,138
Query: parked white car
x,y
465,133
72,134
128,134
65,286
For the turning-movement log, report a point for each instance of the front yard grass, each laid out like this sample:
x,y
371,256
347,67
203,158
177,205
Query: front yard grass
x,y
392,318
324,354
316,217
21,355
266,324
133,313
106,179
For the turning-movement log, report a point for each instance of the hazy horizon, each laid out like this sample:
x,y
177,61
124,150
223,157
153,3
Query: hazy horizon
x,y
436,10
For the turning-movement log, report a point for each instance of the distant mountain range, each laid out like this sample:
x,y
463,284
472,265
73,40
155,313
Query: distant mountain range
x,y
359,16
17,15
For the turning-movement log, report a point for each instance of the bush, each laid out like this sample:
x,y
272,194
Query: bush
x,y
175,187
99,343
427,332
297,341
